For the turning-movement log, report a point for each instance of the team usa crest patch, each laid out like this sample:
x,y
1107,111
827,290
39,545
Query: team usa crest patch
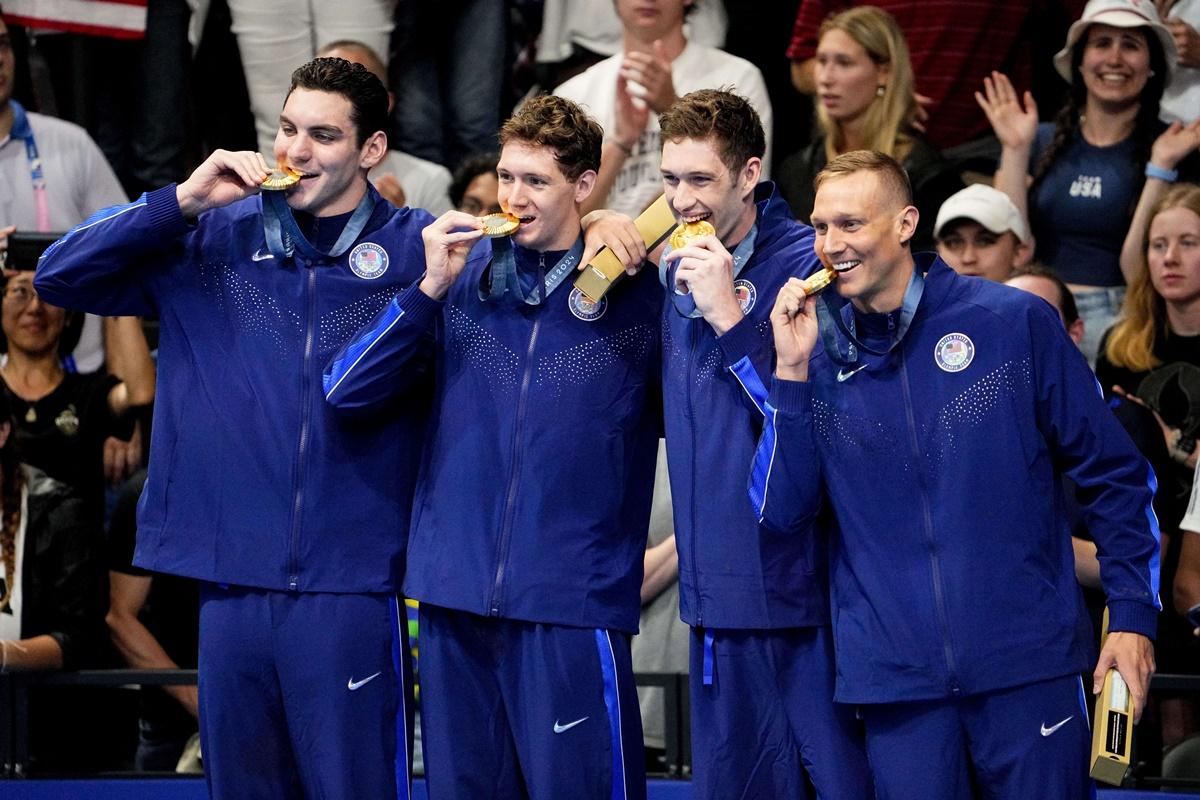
x,y
745,293
954,352
368,260
585,309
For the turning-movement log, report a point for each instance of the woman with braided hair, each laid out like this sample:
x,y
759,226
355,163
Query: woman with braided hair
x,y
1079,179
53,592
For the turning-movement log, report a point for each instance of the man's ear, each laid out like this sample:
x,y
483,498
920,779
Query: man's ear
x,y
750,175
1075,331
373,150
906,223
584,185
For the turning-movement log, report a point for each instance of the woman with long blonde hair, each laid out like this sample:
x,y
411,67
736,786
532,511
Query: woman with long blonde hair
x,y
1152,355
865,101
1160,316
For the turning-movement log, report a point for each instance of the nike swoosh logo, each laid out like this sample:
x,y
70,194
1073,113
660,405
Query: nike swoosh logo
x,y
259,255
1047,731
560,728
844,376
354,685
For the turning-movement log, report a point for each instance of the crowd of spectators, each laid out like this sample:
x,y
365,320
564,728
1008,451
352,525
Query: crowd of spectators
x,y
1075,138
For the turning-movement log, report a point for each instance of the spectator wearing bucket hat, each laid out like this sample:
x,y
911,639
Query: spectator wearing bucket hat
x,y
1089,167
980,232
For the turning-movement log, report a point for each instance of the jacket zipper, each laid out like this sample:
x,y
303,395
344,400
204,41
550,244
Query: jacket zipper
x,y
935,561
693,355
302,445
510,500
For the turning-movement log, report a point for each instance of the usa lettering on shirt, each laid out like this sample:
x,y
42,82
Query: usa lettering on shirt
x,y
1086,186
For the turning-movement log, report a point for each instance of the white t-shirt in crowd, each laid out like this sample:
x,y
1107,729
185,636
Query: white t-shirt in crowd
x,y
79,182
698,67
595,26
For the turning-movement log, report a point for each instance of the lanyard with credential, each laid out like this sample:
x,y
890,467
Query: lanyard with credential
x,y
830,317
284,236
685,304
501,276
22,130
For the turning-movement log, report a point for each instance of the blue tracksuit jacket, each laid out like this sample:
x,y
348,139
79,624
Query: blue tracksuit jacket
x,y
951,561
254,480
732,572
534,497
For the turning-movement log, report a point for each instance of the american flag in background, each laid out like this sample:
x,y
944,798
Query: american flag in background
x,y
118,19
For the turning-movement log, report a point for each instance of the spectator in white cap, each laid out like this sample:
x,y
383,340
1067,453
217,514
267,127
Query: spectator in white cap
x,y
980,232
1090,166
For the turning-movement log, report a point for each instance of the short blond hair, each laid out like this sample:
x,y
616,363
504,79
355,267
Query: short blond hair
x,y
891,175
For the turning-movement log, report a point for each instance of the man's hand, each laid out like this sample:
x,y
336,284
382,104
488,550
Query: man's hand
x,y
706,272
1133,656
1187,42
612,229
794,323
449,239
223,178
649,77
1014,124
389,188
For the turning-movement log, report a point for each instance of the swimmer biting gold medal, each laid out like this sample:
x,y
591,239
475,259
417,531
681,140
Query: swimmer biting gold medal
x,y
688,232
281,178
818,281
499,225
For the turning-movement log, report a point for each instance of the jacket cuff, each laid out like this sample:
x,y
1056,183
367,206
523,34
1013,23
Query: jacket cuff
x,y
419,308
162,206
740,341
1133,616
791,397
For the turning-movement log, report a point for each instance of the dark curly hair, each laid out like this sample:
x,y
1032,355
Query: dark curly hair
x,y
367,95
717,114
562,126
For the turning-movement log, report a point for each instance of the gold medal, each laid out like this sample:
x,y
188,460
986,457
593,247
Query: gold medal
x,y
280,179
816,283
688,232
497,225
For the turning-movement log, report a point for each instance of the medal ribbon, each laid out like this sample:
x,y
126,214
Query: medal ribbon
x,y
685,304
284,236
829,317
21,129
500,278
